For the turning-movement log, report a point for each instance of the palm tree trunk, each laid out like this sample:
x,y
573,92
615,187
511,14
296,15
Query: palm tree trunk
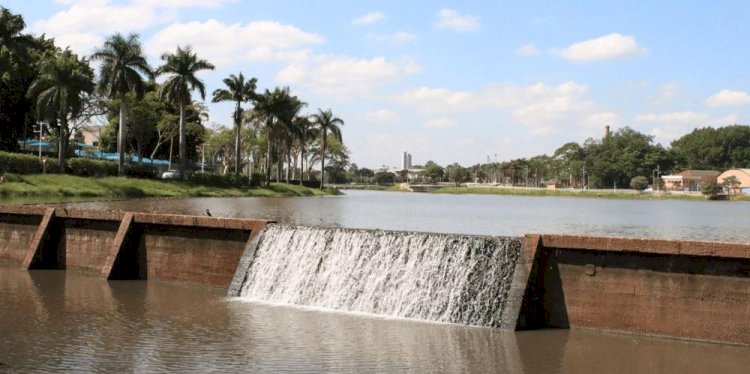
x,y
63,144
171,152
279,166
288,161
183,145
237,127
302,166
268,160
323,158
121,139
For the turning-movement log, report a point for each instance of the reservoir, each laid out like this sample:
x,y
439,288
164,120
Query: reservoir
x,y
56,320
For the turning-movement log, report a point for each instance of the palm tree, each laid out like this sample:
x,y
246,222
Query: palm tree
x,y
59,89
327,122
122,70
12,41
277,110
305,133
182,66
239,91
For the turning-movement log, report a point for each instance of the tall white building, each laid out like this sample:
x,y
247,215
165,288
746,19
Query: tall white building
x,y
406,161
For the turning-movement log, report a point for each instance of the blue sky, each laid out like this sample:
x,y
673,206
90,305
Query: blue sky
x,y
452,81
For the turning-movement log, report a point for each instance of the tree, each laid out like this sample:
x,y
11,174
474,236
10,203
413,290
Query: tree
x,y
277,111
712,190
384,177
639,183
327,122
732,184
21,56
456,173
307,133
714,149
623,155
239,91
181,68
59,90
433,171
14,46
123,66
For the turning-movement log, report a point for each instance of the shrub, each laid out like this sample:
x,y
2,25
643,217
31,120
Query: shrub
x,y
218,180
257,179
141,170
639,183
20,163
11,177
712,189
87,167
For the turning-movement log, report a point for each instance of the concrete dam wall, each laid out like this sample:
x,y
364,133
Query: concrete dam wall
x,y
122,245
693,290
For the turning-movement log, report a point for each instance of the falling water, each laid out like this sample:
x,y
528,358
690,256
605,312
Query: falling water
x,y
436,277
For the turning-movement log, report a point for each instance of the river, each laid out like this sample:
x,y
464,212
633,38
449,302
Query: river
x,y
476,214
53,321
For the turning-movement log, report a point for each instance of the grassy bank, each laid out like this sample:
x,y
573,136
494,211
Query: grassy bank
x,y
569,193
368,187
66,186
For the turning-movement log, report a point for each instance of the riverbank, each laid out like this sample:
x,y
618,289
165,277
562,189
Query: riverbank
x,y
575,193
368,187
67,186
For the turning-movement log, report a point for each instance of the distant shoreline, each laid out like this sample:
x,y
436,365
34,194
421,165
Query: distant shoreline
x,y
522,191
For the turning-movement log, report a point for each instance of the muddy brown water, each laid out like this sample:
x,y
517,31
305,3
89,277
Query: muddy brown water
x,y
59,321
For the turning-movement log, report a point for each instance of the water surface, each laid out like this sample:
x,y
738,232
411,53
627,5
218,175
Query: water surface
x,y
54,321
477,214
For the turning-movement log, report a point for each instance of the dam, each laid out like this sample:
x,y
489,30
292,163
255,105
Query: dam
x,y
682,289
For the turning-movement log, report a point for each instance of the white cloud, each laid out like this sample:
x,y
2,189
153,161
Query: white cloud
x,y
82,25
527,50
173,4
397,38
441,123
674,125
452,20
369,18
674,118
435,99
602,119
606,47
96,17
728,98
227,45
669,90
381,116
81,43
541,107
342,77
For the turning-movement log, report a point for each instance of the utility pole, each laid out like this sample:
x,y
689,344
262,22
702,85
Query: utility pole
x,y
40,129
583,177
203,158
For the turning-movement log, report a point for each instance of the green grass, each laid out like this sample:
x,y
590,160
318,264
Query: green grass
x,y
368,187
69,186
568,193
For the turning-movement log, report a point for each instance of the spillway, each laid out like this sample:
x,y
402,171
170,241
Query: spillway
x,y
461,279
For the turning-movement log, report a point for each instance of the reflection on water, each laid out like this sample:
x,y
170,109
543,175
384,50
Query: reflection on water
x,y
62,321
477,214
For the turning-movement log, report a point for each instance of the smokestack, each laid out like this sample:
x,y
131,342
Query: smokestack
x,y
606,131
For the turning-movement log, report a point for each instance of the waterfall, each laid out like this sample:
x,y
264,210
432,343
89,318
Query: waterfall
x,y
435,277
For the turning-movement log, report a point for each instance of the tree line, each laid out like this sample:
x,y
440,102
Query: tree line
x,y
40,82
610,162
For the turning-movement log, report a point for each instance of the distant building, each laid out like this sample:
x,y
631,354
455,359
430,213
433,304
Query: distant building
x,y
406,161
91,135
689,180
742,175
